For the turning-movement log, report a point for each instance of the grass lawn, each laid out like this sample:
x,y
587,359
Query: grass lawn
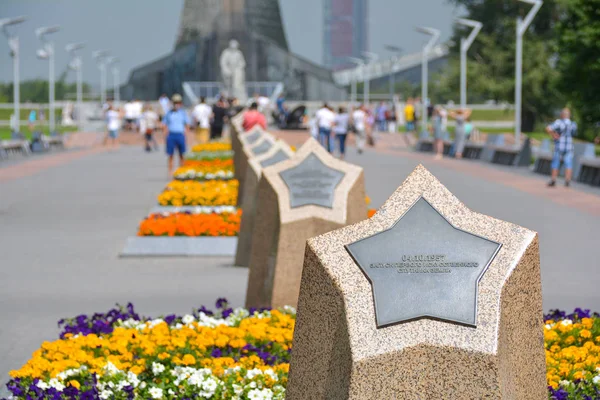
x,y
493,115
5,113
5,131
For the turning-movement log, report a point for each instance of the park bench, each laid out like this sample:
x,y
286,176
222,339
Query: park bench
x,y
54,141
581,151
8,147
473,150
512,155
425,143
590,171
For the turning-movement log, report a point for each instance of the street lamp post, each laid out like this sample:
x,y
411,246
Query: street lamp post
x,y
77,65
115,72
397,51
13,43
47,52
522,26
371,57
360,63
465,43
100,57
435,35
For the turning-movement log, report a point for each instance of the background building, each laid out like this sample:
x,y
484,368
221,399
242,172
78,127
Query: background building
x,y
345,31
206,27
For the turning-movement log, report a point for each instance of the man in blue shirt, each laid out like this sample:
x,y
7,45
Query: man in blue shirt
x,y
176,124
562,131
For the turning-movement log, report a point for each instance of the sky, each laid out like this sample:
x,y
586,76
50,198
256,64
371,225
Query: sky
x,y
139,31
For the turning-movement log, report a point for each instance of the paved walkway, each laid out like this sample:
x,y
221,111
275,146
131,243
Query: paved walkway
x,y
63,226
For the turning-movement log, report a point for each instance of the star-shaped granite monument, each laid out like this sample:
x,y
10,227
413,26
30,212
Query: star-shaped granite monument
x,y
311,182
423,266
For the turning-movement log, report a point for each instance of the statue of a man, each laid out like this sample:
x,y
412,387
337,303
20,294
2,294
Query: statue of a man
x,y
233,69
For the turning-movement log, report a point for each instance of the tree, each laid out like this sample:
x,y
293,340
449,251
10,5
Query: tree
x,y
579,59
492,57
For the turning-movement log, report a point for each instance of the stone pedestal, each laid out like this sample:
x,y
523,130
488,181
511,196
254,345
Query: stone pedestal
x,y
308,195
252,147
237,144
425,300
279,152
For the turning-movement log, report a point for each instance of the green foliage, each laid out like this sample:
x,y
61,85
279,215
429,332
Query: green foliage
x,y
561,61
579,60
36,90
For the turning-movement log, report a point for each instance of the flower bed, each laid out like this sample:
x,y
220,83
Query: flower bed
x,y
212,146
231,354
234,354
210,155
573,354
206,193
189,224
205,170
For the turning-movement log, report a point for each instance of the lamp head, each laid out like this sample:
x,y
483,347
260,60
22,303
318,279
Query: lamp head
x,y
74,46
46,30
99,55
11,21
394,49
428,31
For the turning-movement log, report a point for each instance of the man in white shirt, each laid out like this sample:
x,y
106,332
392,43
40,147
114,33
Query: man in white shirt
x,y
202,113
129,115
113,123
359,118
325,121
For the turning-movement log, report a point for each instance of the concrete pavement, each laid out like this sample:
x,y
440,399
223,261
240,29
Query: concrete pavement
x,y
62,228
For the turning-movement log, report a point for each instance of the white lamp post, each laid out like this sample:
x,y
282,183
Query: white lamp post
x,y
361,63
100,57
47,52
115,72
371,57
465,43
77,65
522,26
435,35
397,51
13,43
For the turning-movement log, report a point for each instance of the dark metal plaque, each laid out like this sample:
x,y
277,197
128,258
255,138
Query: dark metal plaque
x,y
253,137
262,148
311,183
424,267
274,159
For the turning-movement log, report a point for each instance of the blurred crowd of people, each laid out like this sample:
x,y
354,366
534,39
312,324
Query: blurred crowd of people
x,y
331,126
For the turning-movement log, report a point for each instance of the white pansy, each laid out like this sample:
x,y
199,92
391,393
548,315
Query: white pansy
x,y
549,326
251,385
565,383
105,394
264,394
170,392
111,369
157,368
188,319
133,379
156,393
566,322
42,385
154,322
237,389
596,380
178,326
253,373
142,385
210,385
56,384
